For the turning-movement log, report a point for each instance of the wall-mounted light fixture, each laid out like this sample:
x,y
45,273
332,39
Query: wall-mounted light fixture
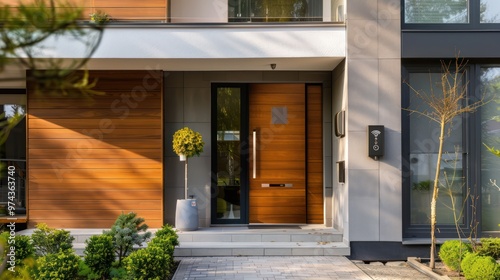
x,y
340,124
376,141
273,66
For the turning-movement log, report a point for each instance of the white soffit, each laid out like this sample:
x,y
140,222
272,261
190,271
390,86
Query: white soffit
x,y
212,48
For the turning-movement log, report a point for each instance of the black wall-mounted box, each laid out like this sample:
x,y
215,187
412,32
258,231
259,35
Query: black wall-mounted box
x,y
376,141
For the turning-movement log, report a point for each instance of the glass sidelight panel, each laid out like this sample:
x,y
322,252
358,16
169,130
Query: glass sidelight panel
x,y
423,156
228,124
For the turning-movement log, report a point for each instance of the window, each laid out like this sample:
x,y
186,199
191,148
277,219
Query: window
x,y
490,136
436,11
490,11
423,152
13,152
275,11
451,14
469,172
229,131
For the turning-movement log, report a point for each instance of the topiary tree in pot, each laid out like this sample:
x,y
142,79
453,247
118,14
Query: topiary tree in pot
x,y
187,143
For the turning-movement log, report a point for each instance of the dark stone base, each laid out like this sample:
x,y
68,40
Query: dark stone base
x,y
386,251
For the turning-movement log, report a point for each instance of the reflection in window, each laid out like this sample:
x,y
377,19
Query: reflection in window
x,y
228,153
275,10
490,136
436,11
424,144
13,153
490,11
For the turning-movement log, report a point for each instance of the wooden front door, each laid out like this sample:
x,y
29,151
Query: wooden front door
x,y
277,124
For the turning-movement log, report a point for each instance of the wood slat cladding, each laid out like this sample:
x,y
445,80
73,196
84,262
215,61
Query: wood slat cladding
x,y
90,160
117,9
314,155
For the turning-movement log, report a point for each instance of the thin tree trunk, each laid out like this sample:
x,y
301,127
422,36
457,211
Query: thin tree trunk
x,y
186,179
435,192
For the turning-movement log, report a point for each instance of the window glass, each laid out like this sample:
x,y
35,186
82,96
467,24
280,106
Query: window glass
x,y
275,10
490,11
424,145
490,136
13,153
436,11
228,153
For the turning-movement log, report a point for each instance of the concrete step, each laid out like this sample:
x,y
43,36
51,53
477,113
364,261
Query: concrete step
x,y
244,241
272,241
202,249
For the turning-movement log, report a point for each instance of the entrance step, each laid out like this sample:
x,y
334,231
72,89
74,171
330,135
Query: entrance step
x,y
272,241
243,241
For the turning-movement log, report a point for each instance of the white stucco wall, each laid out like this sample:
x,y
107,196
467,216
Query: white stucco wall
x,y
374,98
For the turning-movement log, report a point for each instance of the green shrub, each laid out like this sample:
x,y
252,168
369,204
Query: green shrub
x,y
157,259
62,265
452,252
126,233
48,240
24,262
99,254
24,248
85,272
167,231
476,267
151,262
489,247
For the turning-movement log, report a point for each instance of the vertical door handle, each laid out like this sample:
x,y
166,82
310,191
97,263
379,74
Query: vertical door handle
x,y
254,154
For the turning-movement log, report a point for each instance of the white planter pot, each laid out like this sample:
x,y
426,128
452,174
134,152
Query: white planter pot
x,y
186,215
182,157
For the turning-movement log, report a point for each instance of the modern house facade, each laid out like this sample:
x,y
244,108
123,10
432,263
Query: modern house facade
x,y
284,94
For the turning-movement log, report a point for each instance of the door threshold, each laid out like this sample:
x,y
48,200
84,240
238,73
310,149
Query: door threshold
x,y
273,226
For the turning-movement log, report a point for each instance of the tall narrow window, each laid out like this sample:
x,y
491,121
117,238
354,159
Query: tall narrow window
x,y
228,153
490,136
13,153
423,152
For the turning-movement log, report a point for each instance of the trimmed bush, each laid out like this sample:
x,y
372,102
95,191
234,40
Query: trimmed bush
x,y
157,259
476,267
452,253
489,247
151,262
24,248
167,231
62,265
99,254
48,240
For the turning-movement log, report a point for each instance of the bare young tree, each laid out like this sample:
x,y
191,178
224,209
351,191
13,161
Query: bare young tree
x,y
442,107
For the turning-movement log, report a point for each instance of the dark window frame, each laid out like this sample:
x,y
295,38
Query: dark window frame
x,y
244,177
469,154
473,24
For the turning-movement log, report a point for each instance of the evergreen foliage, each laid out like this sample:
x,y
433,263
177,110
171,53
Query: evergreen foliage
x,y
62,266
126,232
452,252
48,240
476,267
99,254
489,247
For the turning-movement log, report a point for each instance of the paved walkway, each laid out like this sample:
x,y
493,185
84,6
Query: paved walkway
x,y
271,268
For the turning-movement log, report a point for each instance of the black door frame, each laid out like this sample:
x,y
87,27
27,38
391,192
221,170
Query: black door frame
x,y
244,153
